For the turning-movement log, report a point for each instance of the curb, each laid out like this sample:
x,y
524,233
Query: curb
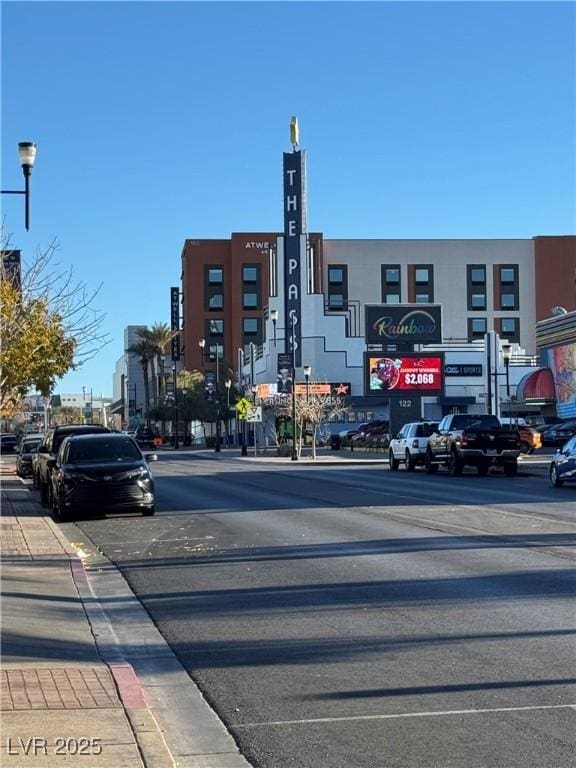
x,y
147,733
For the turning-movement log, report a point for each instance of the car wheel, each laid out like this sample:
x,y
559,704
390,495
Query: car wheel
x,y
58,514
483,469
454,464
394,463
554,479
431,468
148,511
410,463
510,469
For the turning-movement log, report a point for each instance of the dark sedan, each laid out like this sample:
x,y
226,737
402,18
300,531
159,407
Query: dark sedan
x,y
8,443
559,433
563,465
24,461
101,473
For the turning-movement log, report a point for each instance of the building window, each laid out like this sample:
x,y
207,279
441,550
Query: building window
x,y
250,326
250,274
506,287
250,301
337,287
336,301
423,298
216,302
335,275
215,350
476,328
508,301
216,327
215,276
477,275
421,275
509,328
476,287
392,276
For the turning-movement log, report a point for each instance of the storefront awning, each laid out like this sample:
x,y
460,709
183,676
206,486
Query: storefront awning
x,y
536,385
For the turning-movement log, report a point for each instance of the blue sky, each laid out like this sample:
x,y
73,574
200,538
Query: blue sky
x,y
161,121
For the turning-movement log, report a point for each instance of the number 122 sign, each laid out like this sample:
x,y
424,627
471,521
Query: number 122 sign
x,y
390,374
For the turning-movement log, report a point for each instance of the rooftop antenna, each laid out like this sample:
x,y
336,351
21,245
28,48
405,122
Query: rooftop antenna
x,y
294,133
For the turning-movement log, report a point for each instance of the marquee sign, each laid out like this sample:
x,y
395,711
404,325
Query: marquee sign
x,y
294,227
403,374
403,323
175,321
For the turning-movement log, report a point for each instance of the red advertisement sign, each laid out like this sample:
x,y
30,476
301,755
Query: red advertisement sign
x,y
389,374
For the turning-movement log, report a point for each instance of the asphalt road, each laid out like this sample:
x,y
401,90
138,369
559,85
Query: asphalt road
x,y
347,617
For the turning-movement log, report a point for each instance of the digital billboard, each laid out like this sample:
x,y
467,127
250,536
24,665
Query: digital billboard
x,y
403,374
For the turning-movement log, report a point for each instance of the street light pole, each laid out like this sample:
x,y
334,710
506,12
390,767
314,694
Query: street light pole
x,y
244,449
307,371
507,353
217,444
27,155
294,456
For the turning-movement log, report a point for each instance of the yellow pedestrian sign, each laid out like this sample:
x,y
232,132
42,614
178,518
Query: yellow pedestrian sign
x,y
242,407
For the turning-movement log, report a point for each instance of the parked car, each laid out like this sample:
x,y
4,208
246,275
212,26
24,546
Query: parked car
x,y
144,437
375,428
563,464
101,472
409,445
471,439
49,448
8,443
559,433
530,438
24,461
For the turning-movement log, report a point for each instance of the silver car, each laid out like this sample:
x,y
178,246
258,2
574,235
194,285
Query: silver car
x,y
409,445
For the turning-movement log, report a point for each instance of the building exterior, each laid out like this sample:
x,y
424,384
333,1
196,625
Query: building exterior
x,y
226,284
293,299
128,380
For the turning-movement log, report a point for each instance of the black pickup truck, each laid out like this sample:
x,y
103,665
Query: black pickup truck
x,y
475,440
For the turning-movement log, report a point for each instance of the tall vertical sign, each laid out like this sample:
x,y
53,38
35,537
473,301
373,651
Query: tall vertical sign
x,y
175,321
294,227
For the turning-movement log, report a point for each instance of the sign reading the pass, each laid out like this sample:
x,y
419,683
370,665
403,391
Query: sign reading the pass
x,y
403,323
294,227
398,375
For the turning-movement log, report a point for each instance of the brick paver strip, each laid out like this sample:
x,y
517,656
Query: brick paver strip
x,y
59,688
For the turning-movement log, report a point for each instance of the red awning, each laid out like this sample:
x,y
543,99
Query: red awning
x,y
537,385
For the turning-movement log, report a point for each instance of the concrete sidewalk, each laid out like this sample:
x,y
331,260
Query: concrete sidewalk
x,y
60,703
70,694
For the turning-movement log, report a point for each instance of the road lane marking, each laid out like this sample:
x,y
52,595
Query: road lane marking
x,y
447,713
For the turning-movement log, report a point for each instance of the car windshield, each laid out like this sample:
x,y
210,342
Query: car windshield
x,y
29,446
103,450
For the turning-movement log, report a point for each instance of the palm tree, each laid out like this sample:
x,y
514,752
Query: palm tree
x,y
158,337
143,350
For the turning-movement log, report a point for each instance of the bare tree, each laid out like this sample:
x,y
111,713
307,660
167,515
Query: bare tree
x,y
49,325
